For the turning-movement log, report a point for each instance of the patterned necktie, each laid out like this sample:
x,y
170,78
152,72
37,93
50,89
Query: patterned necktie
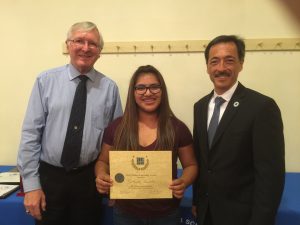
x,y
214,120
72,146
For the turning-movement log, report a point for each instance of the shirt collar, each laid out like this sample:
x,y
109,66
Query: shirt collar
x,y
228,94
74,73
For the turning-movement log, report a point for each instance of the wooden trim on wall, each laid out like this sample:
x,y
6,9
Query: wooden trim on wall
x,y
190,46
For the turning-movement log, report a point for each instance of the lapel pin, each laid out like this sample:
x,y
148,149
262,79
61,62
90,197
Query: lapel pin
x,y
236,104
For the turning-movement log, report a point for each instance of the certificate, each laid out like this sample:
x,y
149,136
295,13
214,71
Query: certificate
x,y
5,190
140,174
10,178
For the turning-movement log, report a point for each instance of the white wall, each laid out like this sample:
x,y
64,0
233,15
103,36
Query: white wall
x,y
32,32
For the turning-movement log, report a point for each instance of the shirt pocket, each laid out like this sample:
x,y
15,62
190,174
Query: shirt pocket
x,y
101,116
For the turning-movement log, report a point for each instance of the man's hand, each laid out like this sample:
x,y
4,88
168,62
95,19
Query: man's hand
x,y
194,211
34,202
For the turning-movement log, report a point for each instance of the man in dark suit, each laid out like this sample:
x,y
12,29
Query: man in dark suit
x,y
241,164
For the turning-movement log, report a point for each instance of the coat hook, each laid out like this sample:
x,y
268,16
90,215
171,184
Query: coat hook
x,y
297,44
169,47
260,44
187,47
204,45
152,47
279,44
118,48
135,48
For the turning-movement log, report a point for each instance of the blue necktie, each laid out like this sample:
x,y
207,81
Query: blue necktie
x,y
72,146
213,125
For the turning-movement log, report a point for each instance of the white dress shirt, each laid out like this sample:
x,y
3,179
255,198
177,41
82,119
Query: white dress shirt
x,y
226,96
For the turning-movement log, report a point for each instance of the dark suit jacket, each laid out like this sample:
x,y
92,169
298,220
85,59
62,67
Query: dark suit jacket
x,y
241,177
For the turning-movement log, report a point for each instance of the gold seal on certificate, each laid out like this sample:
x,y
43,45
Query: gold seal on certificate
x,y
140,174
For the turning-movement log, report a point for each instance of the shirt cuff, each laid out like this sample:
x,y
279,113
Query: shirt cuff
x,y
31,184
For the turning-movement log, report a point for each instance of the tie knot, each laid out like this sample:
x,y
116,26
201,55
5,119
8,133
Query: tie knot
x,y
219,101
83,78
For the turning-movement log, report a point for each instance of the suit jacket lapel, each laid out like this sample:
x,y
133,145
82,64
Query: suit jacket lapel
x,y
231,110
203,121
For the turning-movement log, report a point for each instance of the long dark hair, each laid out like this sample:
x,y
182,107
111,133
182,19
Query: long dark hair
x,y
126,136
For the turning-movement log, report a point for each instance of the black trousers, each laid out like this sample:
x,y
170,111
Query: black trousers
x,y
208,219
71,197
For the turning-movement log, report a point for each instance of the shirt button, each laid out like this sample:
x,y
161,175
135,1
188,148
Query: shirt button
x,y
75,127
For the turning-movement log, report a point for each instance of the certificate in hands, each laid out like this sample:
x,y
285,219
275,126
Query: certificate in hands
x,y
140,174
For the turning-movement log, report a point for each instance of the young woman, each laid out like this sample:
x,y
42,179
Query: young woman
x,y
148,124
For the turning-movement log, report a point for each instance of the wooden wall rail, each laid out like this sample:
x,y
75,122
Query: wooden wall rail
x,y
189,46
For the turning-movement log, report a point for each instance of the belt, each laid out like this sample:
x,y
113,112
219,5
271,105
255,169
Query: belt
x,y
62,169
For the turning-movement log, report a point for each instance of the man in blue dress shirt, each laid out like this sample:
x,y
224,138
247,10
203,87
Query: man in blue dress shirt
x,y
52,194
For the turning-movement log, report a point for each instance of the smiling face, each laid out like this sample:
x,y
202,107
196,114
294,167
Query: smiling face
x,y
223,66
148,102
83,56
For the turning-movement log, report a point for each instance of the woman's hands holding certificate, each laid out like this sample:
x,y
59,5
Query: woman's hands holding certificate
x,y
103,183
178,187
190,168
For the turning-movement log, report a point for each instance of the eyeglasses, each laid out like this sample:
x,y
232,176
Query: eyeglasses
x,y
80,43
142,89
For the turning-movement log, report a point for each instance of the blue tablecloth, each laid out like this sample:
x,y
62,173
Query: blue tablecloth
x,y
288,212
12,211
289,209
